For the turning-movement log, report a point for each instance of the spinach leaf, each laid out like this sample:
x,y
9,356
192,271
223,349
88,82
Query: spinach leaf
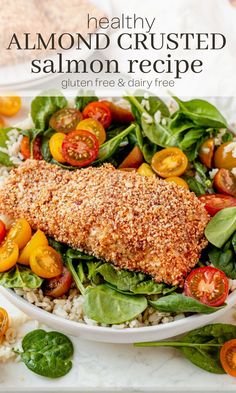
x,y
108,148
78,283
181,303
221,226
59,247
47,353
4,157
156,132
20,277
92,274
147,148
153,105
224,258
148,287
81,100
43,107
191,137
45,150
201,346
195,185
202,113
122,279
180,123
105,305
76,254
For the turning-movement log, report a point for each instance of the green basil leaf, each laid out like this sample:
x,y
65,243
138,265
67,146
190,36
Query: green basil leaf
x,y
105,305
43,107
221,226
20,277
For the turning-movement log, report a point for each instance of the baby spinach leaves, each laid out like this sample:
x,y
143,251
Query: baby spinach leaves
x,y
221,227
82,100
122,279
20,277
47,353
201,346
225,258
105,305
180,303
43,107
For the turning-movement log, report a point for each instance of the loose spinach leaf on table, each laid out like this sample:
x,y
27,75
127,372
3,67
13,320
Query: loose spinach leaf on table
x,y
221,227
201,346
43,107
180,303
47,353
105,305
20,277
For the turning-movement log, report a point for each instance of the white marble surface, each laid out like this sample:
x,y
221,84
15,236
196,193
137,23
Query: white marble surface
x,y
108,368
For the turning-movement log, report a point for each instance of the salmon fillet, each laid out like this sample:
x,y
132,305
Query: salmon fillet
x,y
135,222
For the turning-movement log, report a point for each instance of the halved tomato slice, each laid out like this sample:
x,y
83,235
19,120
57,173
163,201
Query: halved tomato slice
x,y
20,233
25,148
225,156
98,111
9,253
9,106
95,127
133,160
65,120
119,114
208,285
228,357
37,240
80,148
225,182
169,162
46,262
3,231
4,321
216,202
206,152
55,146
58,286
177,180
146,170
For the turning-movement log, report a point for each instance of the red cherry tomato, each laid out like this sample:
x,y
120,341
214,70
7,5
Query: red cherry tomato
x,y
80,148
207,285
216,202
225,182
3,231
98,111
65,120
119,114
25,148
133,160
58,286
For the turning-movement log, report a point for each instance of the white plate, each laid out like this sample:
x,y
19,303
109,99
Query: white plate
x,y
112,335
17,76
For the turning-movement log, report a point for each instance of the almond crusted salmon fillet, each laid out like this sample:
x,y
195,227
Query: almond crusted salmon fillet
x,y
135,222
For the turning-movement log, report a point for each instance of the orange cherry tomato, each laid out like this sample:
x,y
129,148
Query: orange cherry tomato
x,y
46,262
177,180
225,182
228,357
216,202
3,231
169,162
80,148
55,146
146,170
225,156
9,106
133,160
65,120
119,114
25,148
95,127
206,152
9,253
58,286
20,233
37,240
2,122
98,111
4,321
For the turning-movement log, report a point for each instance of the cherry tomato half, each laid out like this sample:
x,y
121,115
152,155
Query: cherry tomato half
x,y
46,262
225,157
3,231
9,253
228,357
225,182
80,148
177,180
9,106
206,152
146,170
37,240
133,160
25,148
4,321
98,111
119,114
65,120
95,127
216,202
208,285
55,146
169,162
58,286
20,233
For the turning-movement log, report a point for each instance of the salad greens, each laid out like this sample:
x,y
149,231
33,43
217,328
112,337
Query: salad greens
x,y
20,277
42,107
201,346
4,157
47,353
82,100
221,227
224,258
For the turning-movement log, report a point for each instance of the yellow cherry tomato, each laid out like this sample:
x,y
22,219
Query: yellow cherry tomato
x,y
206,152
9,106
225,156
4,321
37,240
55,146
95,127
9,253
169,162
177,180
2,122
146,170
20,233
46,262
